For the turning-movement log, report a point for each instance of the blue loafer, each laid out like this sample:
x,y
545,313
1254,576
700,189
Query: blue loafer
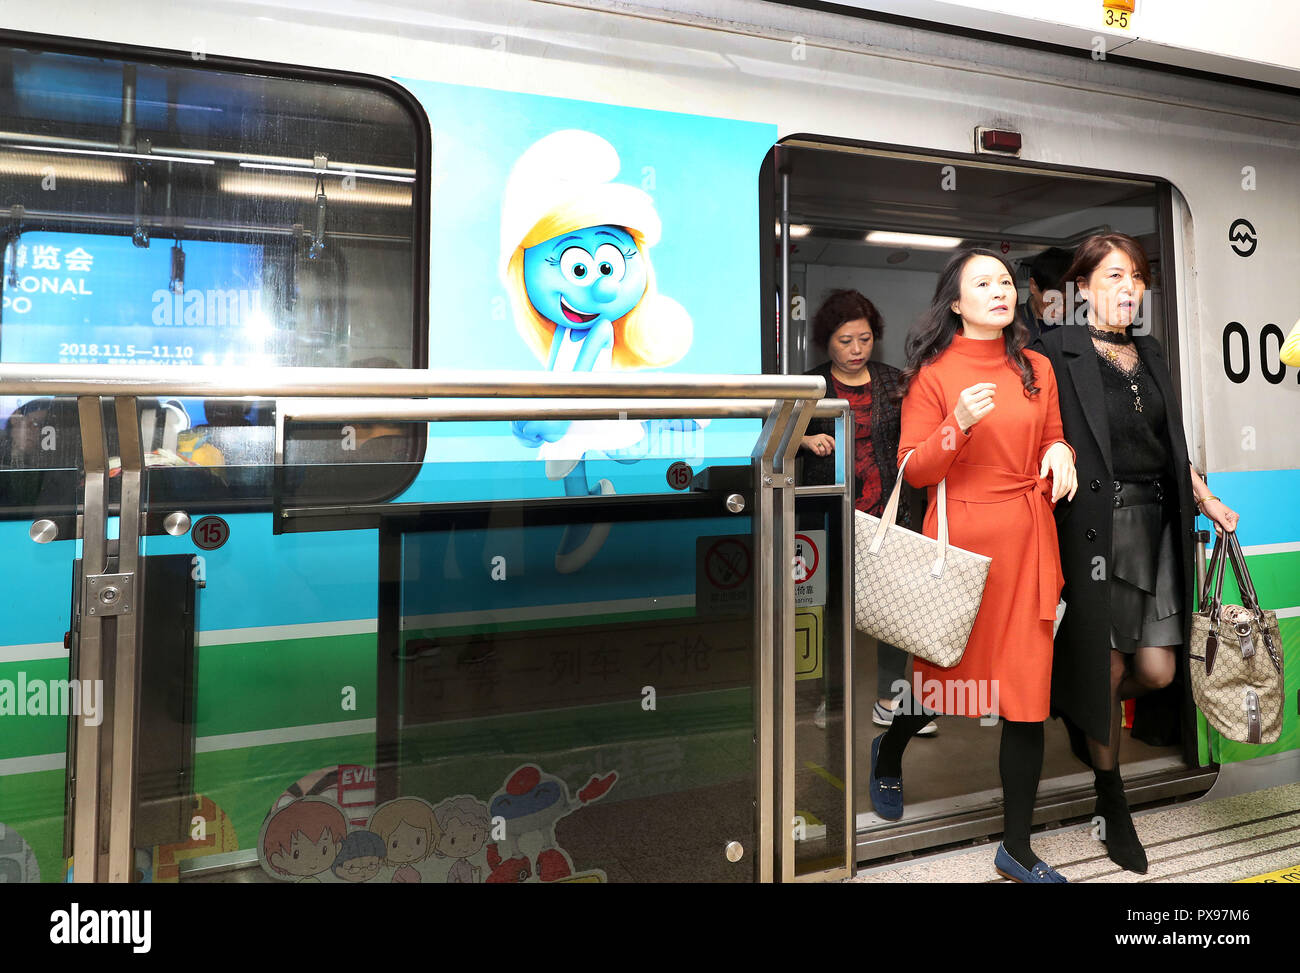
x,y
1040,874
886,792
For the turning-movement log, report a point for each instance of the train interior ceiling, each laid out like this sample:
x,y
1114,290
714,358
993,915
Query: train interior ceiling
x,y
885,224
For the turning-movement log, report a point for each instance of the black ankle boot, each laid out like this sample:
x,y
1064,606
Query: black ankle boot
x,y
1078,742
1119,835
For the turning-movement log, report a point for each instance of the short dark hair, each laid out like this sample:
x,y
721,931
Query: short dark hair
x,y
1047,269
1096,248
840,307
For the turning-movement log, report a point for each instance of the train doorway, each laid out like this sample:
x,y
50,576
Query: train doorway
x,y
883,221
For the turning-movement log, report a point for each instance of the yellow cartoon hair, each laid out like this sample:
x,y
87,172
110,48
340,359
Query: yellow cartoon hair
x,y
656,332
409,810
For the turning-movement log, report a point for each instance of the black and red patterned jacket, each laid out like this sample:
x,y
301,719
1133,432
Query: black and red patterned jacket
x,y
886,416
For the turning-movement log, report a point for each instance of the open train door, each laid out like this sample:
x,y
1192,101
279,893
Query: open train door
x,y
884,220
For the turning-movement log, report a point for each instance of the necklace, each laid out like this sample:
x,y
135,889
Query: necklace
x,y
1110,337
1112,358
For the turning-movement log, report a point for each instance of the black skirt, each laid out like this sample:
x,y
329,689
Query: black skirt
x,y
1145,579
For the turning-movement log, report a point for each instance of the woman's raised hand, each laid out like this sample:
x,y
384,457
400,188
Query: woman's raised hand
x,y
820,444
1059,461
974,404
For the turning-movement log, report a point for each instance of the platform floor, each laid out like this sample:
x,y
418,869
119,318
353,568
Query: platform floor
x,y
1224,840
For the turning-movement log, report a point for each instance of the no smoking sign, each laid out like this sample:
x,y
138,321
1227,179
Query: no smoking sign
x,y
724,568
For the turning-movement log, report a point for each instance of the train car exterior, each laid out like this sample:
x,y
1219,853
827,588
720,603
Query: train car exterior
x,y
690,108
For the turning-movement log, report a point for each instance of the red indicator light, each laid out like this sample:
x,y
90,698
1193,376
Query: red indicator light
x,y
992,140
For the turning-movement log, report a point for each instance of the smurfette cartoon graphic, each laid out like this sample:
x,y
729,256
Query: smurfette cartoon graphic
x,y
575,262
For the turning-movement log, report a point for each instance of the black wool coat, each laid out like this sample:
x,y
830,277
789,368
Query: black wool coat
x,y
1081,664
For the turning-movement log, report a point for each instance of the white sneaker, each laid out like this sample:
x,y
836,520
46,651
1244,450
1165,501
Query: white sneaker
x,y
884,716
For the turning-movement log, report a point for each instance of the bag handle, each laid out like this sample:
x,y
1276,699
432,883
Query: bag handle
x,y
1216,560
1213,605
890,516
1249,598
1244,582
1216,605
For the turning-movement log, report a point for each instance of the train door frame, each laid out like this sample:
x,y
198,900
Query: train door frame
x,y
1173,224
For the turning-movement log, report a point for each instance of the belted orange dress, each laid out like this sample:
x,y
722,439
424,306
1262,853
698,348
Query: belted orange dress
x,y
998,506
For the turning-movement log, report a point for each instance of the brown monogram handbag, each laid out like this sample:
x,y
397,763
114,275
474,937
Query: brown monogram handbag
x,y
916,592
1236,654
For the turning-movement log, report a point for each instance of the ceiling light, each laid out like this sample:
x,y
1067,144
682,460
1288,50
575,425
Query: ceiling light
x,y
78,170
114,154
313,171
887,239
286,187
796,230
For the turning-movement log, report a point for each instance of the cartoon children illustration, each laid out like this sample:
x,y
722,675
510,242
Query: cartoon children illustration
x,y
360,857
575,262
302,839
532,801
465,824
409,830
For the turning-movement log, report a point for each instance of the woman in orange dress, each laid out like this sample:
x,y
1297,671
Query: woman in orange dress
x,y
982,412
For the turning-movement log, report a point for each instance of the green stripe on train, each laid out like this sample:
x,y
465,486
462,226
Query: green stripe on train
x,y
30,735
288,682
32,805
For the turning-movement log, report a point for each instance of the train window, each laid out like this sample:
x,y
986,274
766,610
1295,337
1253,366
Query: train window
x,y
180,212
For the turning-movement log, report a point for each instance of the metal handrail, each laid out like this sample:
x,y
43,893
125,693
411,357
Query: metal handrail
x,y
212,381
405,410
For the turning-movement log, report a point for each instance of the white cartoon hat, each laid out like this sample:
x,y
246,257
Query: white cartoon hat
x,y
571,169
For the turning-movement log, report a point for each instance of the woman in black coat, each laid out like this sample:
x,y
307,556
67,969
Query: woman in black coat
x,y
1126,538
847,326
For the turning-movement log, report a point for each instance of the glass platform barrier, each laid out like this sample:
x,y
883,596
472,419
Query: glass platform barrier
x,y
342,646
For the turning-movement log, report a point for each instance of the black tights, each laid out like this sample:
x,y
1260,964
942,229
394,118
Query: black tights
x,y
1020,763
1153,668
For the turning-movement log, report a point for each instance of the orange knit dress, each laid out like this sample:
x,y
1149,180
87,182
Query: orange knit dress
x,y
997,506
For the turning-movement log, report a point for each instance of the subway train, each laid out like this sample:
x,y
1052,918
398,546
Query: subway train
x,y
371,612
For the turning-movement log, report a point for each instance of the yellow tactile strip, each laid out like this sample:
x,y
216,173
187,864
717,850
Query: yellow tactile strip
x,y
1282,876
1226,840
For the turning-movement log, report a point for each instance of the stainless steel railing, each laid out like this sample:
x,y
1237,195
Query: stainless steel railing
x,y
103,828
211,381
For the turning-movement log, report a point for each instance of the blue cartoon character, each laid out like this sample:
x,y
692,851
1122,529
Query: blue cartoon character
x,y
530,803
575,261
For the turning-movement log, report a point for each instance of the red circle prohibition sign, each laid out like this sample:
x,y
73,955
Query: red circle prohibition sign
x,y
810,570
729,558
